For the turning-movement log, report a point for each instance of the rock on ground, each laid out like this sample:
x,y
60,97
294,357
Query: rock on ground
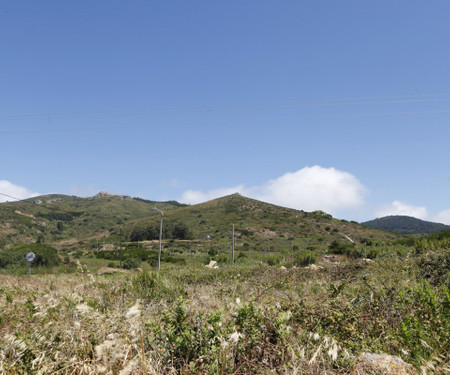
x,y
212,264
374,364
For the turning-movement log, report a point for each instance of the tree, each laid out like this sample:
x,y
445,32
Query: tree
x,y
181,232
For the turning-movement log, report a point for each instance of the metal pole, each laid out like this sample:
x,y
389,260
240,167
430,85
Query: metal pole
x,y
160,237
160,242
120,247
232,247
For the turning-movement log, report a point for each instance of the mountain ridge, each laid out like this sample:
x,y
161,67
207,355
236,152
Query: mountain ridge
x,y
60,218
405,225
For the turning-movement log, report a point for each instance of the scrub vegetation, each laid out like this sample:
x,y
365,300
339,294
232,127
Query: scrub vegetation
x,y
240,319
308,306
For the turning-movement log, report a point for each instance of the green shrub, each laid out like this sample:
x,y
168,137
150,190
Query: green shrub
x,y
274,260
242,255
152,286
46,256
427,325
194,341
338,247
78,254
304,258
223,259
435,266
131,263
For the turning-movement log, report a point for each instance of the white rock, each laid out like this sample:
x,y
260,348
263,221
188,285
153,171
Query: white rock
x,y
381,364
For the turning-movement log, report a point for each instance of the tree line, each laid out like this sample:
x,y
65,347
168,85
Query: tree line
x,y
177,231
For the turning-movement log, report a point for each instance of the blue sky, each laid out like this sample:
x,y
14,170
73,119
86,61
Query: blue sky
x,y
336,105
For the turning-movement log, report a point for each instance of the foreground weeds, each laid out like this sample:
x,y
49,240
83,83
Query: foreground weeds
x,y
236,320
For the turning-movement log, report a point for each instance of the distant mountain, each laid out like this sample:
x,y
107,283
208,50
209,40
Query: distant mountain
x,y
405,225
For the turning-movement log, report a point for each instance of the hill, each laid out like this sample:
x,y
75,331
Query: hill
x,y
405,224
52,218
69,220
258,225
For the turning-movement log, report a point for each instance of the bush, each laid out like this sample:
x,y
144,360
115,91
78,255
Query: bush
x,y
78,254
274,260
46,256
337,247
304,258
188,340
435,266
131,263
152,286
242,255
178,231
223,259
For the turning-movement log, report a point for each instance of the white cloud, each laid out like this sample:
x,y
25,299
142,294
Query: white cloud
x,y
314,188
419,212
15,191
401,208
443,217
309,189
195,196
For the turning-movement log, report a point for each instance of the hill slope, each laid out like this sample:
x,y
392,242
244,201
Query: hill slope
x,y
260,225
52,218
405,224
60,219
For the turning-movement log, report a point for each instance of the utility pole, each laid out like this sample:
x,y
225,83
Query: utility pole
x,y
232,247
120,247
160,237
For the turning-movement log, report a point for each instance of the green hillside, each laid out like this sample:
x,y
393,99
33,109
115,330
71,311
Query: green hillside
x,y
53,218
65,221
405,225
258,225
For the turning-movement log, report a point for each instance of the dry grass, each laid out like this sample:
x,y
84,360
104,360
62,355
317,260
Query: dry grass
x,y
268,320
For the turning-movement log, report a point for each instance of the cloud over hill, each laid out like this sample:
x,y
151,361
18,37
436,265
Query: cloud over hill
x,y
15,191
420,212
309,189
400,208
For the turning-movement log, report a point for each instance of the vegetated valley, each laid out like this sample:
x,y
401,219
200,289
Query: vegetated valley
x,y
305,293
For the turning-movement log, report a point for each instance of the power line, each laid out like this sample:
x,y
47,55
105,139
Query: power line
x,y
25,200
9,196
330,102
224,123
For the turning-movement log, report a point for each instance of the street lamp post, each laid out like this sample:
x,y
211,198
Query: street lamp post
x,y
120,247
160,237
232,247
